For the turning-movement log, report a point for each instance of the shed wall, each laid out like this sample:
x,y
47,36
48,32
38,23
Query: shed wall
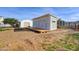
x,y
43,23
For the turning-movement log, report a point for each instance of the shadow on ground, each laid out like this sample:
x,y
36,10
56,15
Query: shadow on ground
x,y
24,29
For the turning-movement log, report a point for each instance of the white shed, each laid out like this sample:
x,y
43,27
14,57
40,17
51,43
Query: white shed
x,y
26,23
47,22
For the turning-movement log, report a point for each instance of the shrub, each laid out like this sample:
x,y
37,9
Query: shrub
x,y
2,29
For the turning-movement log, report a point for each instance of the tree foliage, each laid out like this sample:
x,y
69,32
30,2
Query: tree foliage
x,y
11,21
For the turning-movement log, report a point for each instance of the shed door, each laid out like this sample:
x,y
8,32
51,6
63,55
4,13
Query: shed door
x,y
53,24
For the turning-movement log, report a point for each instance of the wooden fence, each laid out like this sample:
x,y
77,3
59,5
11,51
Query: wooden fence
x,y
71,25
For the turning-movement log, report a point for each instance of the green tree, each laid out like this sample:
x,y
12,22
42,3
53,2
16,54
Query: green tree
x,y
11,21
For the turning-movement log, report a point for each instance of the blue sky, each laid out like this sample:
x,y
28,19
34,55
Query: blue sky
x,y
22,13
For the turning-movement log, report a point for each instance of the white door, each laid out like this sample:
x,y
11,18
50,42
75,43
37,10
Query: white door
x,y
53,24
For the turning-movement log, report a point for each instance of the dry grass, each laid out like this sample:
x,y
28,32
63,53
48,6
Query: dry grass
x,y
69,43
27,40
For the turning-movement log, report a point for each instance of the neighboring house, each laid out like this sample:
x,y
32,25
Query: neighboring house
x,y
1,20
25,23
2,24
5,25
47,22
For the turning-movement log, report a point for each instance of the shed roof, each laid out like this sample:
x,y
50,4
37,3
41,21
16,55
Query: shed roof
x,y
45,16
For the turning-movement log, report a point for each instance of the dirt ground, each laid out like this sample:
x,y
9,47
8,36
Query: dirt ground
x,y
28,40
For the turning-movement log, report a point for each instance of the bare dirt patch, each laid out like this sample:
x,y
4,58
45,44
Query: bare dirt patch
x,y
28,40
